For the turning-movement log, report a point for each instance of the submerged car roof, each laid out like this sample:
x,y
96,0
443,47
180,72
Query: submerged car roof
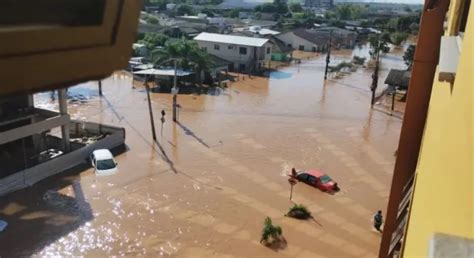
x,y
315,172
102,154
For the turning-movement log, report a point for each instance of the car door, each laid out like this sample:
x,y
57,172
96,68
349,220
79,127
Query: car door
x,y
312,180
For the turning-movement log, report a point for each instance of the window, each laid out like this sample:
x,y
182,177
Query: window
x,y
204,48
302,177
301,47
105,164
230,47
325,179
217,47
243,50
268,50
241,67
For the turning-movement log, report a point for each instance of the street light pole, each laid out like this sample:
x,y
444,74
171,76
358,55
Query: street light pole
x,y
328,57
153,131
175,91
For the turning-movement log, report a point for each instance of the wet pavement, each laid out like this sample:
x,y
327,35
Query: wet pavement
x,y
206,187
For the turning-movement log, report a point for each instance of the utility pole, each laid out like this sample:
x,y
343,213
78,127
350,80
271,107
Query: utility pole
x,y
174,91
375,75
100,88
328,57
150,110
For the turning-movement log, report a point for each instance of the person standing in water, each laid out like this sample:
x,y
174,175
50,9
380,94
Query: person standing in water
x,y
378,220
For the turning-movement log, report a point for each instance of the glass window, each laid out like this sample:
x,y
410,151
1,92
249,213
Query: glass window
x,y
268,50
243,50
105,164
217,47
302,177
325,179
230,47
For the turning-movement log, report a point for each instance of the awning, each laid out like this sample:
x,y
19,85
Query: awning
x,y
164,72
143,66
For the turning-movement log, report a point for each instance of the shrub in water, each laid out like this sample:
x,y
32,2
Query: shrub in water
x,y
299,212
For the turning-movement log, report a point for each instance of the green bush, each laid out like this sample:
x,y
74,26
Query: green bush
x,y
358,60
299,211
270,232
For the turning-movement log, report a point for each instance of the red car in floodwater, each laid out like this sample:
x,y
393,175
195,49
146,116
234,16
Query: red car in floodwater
x,y
317,179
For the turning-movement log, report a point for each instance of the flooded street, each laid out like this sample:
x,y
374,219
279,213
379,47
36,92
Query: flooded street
x,y
205,189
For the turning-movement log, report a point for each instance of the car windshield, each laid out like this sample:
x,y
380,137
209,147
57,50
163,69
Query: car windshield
x,y
325,179
105,164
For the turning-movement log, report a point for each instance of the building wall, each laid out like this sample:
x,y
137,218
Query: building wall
x,y
443,198
291,39
231,52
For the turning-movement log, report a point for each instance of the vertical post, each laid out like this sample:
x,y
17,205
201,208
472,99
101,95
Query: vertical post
x,y
175,93
328,57
62,98
375,77
291,191
393,99
150,110
100,88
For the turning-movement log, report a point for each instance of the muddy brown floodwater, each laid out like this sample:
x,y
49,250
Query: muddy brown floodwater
x,y
205,189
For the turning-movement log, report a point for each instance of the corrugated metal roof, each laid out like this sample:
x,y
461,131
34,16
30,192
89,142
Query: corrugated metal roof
x,y
231,39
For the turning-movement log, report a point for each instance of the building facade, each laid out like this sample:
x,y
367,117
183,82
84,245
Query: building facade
x,y
431,205
247,54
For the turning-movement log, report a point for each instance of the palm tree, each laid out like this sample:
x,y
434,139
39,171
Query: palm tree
x,y
188,54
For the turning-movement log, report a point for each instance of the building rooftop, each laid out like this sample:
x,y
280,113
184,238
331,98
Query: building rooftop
x,y
231,39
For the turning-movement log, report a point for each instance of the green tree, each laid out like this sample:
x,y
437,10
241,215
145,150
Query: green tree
x,y
344,11
377,45
151,19
152,40
409,55
414,27
358,12
275,7
398,38
295,7
234,13
188,54
185,9
208,12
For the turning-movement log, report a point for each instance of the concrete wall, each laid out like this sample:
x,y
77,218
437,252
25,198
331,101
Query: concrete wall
x,y
28,130
30,176
443,200
231,52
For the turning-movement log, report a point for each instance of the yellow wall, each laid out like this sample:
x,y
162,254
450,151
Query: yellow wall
x,y
443,200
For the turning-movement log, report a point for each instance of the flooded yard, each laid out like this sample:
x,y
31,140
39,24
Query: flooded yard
x,y
206,187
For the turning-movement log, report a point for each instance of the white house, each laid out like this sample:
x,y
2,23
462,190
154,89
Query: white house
x,y
317,40
302,40
245,53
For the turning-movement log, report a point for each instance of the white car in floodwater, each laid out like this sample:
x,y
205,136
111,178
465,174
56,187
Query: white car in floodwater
x,y
103,162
